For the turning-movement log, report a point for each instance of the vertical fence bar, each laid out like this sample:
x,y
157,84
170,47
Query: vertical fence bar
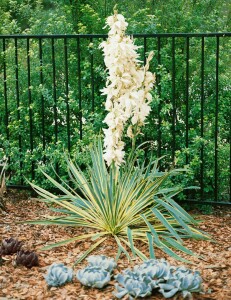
x,y
230,152
54,89
67,95
18,108
159,93
202,118
42,97
5,90
145,50
30,106
54,95
92,80
173,101
216,119
79,90
144,60
187,97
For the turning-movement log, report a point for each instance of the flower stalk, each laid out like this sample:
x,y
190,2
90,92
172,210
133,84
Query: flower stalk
x,y
127,89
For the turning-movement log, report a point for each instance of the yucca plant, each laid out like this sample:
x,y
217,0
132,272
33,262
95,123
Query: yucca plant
x,y
127,203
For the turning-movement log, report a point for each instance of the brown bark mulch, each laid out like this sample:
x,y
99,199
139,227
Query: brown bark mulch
x,y
17,282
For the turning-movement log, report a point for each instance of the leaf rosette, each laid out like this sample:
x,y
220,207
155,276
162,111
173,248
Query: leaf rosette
x,y
58,275
133,284
156,269
10,246
102,261
93,276
28,259
183,280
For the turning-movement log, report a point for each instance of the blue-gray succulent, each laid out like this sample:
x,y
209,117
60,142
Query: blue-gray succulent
x,y
93,277
102,261
153,274
183,280
133,284
190,282
58,275
156,269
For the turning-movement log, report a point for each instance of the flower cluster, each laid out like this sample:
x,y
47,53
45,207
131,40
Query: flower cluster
x,y
98,272
157,274
127,88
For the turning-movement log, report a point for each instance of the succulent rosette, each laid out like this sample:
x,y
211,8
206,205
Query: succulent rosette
x,y
27,258
94,276
156,269
182,270
58,274
183,280
190,282
102,261
133,284
10,246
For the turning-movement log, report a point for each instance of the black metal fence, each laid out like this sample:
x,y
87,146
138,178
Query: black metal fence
x,y
50,100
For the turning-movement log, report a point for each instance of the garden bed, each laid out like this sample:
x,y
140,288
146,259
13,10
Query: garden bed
x,y
21,283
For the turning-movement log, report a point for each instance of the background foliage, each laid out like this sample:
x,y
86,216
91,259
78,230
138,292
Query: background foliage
x,y
85,16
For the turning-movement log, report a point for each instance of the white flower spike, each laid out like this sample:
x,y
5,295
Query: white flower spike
x,y
127,89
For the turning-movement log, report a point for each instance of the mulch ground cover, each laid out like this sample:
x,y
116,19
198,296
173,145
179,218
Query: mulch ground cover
x,y
18,282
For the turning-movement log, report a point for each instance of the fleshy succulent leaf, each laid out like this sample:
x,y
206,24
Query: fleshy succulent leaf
x,y
134,284
58,274
102,261
183,280
156,269
27,258
10,246
94,276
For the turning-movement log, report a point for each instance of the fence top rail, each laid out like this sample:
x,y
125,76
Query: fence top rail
x,y
145,35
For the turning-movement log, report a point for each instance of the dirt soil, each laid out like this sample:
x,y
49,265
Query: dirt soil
x,y
18,282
